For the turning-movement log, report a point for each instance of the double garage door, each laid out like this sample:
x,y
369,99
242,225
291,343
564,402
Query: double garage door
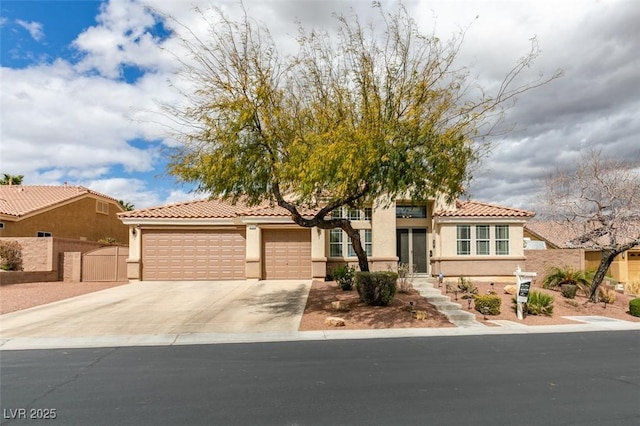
x,y
193,255
220,254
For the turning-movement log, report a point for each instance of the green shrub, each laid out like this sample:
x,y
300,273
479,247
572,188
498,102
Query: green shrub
x,y
488,304
466,288
10,256
376,288
634,307
556,277
569,290
343,275
540,304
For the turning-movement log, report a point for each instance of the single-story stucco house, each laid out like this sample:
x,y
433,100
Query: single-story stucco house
x,y
215,240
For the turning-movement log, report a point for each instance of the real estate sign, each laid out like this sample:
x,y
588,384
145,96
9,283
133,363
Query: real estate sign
x,y
523,291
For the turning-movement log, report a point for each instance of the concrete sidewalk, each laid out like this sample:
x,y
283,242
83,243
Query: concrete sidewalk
x,y
188,313
23,343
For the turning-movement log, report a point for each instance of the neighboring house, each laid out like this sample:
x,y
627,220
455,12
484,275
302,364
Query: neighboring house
x,y
214,240
624,269
64,211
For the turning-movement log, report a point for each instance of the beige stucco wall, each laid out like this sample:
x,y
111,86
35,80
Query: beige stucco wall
x,y
253,252
75,220
383,236
448,239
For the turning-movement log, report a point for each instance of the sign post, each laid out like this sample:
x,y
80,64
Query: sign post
x,y
523,281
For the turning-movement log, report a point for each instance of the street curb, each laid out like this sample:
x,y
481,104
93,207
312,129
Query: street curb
x,y
30,343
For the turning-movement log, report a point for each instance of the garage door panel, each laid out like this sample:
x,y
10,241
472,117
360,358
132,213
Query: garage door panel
x,y
287,253
193,255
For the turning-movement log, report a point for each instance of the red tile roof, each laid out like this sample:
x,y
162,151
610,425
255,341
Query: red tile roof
x,y
554,233
478,209
198,209
210,209
19,200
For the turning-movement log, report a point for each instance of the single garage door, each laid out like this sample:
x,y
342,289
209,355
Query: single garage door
x,y
287,253
634,266
193,255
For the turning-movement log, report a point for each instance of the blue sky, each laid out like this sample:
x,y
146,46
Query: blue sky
x,y
81,83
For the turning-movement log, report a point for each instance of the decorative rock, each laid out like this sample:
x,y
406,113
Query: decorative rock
x,y
510,289
334,322
340,306
419,315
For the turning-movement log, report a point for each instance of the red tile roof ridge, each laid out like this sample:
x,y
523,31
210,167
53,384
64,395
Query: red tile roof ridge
x,y
16,204
480,209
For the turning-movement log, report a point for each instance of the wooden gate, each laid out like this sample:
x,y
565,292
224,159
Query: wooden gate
x,y
105,264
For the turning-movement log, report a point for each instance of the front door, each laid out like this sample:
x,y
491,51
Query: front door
x,y
411,248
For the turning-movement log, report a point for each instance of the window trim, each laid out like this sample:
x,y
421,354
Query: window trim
x,y
505,239
486,240
339,243
409,210
460,240
102,207
366,238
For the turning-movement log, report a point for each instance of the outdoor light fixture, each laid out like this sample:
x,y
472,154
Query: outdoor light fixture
x,y
469,303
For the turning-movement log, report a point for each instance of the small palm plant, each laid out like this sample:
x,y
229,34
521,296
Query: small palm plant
x,y
540,304
566,275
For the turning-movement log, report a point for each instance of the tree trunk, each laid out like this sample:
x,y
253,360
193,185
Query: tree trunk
x,y
356,243
601,272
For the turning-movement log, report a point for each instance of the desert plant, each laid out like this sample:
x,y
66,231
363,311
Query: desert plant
x,y
109,241
405,277
343,275
634,307
632,288
376,288
556,277
606,295
540,304
466,288
569,290
10,256
488,304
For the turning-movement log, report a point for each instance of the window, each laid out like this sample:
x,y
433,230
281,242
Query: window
x,y
411,212
502,240
102,207
352,214
338,239
42,234
368,242
335,243
482,240
463,237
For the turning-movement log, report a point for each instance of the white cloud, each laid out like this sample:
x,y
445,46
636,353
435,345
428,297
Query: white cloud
x,y
34,29
76,121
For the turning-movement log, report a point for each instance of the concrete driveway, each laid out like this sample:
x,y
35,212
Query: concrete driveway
x,y
166,308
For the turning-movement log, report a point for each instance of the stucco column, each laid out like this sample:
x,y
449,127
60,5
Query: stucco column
x,y
318,255
383,230
135,253
253,252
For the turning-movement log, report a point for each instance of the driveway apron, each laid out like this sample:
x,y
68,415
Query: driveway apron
x,y
151,308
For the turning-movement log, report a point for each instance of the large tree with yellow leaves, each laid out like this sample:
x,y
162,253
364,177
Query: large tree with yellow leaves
x,y
359,116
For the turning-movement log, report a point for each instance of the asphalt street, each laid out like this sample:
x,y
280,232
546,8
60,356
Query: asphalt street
x,y
588,378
